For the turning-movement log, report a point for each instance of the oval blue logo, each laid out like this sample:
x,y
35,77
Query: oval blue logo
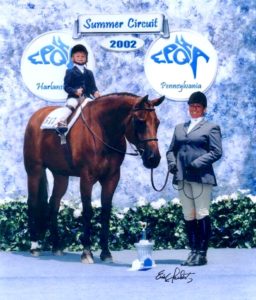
x,y
180,65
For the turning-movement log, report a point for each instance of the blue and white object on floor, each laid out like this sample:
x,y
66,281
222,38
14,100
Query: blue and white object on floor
x,y
144,250
138,265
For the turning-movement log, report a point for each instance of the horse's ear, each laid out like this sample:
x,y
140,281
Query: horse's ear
x,y
142,101
157,101
145,98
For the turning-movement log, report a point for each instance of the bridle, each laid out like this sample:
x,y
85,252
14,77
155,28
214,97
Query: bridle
x,y
136,152
152,170
149,140
155,139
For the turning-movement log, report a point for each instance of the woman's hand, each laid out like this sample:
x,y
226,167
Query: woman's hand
x,y
172,169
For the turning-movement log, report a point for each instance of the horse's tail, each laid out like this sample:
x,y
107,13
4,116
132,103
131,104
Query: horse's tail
x,y
43,203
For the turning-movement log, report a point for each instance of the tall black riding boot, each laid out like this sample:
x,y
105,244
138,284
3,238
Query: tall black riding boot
x,y
191,230
204,234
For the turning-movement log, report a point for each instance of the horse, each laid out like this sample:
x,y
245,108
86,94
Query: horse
x,y
97,147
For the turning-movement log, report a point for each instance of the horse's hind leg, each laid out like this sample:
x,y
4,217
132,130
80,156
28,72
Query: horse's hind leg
x,y
37,207
59,189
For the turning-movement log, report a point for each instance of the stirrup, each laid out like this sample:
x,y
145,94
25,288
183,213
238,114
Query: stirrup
x,y
61,128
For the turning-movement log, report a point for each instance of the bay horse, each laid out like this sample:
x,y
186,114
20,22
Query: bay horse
x,y
97,146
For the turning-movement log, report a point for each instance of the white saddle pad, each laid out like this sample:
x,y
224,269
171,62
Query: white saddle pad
x,y
51,121
55,116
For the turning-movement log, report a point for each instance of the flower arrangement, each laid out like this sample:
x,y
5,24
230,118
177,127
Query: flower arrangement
x,y
233,224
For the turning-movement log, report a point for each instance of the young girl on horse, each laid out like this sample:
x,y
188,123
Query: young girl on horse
x,y
78,82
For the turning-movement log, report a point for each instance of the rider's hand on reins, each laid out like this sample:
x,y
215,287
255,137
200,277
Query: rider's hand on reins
x,y
172,168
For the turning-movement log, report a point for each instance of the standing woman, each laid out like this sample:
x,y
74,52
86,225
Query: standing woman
x,y
195,146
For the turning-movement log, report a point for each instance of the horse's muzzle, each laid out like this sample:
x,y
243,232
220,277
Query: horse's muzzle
x,y
151,159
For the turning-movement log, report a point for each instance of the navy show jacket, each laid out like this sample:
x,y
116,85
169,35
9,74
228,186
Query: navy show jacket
x,y
75,79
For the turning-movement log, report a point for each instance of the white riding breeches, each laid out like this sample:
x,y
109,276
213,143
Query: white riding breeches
x,y
66,111
73,102
62,113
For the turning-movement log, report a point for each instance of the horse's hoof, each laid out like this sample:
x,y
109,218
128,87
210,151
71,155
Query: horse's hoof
x,y
35,252
87,257
57,252
106,257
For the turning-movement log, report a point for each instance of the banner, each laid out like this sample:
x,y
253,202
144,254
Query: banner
x,y
127,23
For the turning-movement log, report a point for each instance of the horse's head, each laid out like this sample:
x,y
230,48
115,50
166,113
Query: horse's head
x,y
142,130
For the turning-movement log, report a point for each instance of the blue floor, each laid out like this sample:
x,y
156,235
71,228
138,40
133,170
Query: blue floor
x,y
229,275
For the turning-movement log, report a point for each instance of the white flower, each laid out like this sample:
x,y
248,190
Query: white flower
x,y
155,205
252,197
77,213
65,202
120,216
221,198
96,203
23,200
176,201
125,210
142,201
234,196
2,201
61,207
244,192
7,200
158,204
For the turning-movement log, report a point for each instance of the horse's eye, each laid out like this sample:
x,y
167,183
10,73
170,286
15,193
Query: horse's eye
x,y
140,124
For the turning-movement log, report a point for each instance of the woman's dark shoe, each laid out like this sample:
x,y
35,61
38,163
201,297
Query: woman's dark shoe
x,y
199,259
190,258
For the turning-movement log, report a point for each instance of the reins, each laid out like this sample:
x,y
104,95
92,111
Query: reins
x,y
136,153
183,189
153,184
177,189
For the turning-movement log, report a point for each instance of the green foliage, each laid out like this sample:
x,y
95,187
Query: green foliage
x,y
233,225
13,226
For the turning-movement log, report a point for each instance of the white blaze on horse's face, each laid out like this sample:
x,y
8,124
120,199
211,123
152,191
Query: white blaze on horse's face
x,y
145,125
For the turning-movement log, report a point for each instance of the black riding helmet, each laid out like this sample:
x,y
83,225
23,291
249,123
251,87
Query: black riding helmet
x,y
198,97
79,48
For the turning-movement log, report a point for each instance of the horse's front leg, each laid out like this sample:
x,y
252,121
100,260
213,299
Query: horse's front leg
x,y
109,185
86,191
59,189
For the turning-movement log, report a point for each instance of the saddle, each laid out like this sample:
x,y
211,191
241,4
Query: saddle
x,y
54,118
